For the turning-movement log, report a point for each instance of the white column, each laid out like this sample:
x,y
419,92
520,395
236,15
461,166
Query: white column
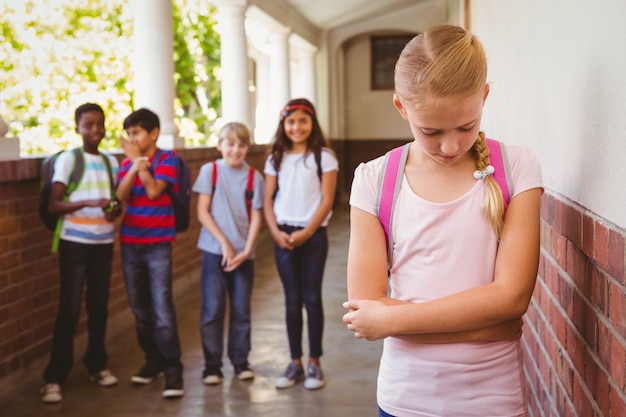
x,y
279,68
234,60
303,82
153,63
265,113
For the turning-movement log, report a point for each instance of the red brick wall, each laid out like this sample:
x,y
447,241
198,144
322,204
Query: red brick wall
x,y
575,331
29,272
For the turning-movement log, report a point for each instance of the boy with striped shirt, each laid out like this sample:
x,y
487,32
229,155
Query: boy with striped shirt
x,y
85,254
146,235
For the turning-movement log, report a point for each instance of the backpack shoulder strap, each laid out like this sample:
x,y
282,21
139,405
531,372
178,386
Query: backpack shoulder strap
x,y
250,191
107,162
389,184
78,169
156,160
76,175
214,177
318,161
502,173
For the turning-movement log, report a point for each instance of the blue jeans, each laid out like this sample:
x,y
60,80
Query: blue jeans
x,y
217,285
301,271
80,263
148,278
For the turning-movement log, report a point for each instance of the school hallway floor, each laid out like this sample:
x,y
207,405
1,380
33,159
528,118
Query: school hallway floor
x,y
350,365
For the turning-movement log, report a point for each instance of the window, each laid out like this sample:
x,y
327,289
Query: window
x,y
385,53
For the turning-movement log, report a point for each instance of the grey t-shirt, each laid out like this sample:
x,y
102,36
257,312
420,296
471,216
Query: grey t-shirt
x,y
228,204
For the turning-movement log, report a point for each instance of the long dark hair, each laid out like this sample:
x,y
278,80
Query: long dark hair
x,y
315,142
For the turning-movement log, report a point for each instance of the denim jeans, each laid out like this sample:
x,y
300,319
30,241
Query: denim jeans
x,y
216,286
301,271
148,278
80,263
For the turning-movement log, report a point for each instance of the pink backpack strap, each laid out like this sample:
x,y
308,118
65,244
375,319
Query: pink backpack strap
x,y
389,187
390,182
502,174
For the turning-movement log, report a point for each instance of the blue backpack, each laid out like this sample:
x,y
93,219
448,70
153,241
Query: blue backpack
x,y
181,199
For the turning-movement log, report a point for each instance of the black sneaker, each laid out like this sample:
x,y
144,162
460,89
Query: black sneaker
x,y
244,372
173,385
212,375
146,374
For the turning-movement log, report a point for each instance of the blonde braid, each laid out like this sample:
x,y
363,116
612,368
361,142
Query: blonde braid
x,y
493,208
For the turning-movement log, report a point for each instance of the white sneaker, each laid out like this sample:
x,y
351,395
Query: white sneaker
x,y
292,374
244,373
51,393
104,378
314,377
212,380
212,375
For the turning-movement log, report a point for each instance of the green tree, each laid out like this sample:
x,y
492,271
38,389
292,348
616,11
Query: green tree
x,y
57,54
197,60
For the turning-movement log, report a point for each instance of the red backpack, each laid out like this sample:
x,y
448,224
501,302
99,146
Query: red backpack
x,y
390,182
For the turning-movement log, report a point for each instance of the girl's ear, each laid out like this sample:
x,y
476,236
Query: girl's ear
x,y
398,105
487,88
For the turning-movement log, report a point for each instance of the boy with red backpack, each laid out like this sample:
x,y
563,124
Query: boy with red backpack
x,y
230,201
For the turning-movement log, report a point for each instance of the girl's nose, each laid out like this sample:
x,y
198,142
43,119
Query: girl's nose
x,y
449,146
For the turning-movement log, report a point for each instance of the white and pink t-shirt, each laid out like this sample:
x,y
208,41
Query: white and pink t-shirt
x,y
440,249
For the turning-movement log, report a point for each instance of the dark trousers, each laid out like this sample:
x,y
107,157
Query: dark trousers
x,y
79,264
301,271
148,278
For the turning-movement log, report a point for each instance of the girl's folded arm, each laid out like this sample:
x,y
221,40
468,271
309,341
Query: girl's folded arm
x,y
506,298
367,280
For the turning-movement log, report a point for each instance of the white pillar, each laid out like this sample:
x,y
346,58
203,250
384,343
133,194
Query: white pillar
x,y
153,63
279,68
234,60
303,82
265,114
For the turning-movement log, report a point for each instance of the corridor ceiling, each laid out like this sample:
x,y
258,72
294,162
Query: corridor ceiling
x,y
330,14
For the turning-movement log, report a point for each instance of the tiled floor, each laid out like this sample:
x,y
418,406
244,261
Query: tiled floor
x,y
350,365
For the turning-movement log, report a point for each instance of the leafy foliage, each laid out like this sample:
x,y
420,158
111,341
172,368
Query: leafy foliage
x,y
58,54
197,58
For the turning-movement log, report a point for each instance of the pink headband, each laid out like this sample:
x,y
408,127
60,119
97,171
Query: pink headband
x,y
285,111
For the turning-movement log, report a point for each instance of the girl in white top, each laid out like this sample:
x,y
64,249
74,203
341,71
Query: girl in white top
x,y
301,176
463,269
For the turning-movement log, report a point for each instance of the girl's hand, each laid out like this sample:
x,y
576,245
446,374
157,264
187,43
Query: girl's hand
x,y
367,319
284,240
299,237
